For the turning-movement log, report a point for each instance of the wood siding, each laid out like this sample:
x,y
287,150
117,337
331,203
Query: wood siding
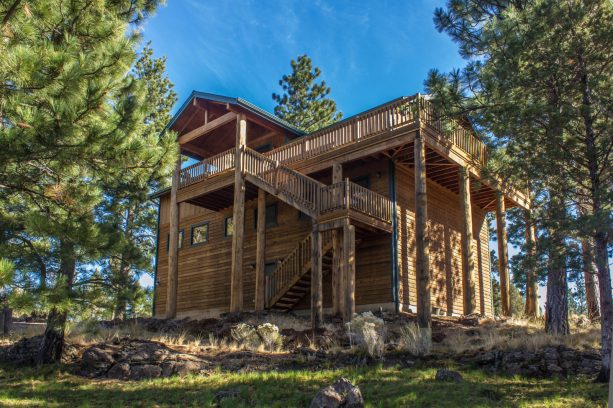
x,y
204,270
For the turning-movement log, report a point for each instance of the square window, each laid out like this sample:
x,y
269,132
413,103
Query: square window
x,y
228,226
270,267
200,233
180,240
271,216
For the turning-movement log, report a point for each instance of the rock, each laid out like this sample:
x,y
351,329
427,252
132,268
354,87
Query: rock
x,y
443,374
95,362
340,394
119,371
184,368
223,394
145,371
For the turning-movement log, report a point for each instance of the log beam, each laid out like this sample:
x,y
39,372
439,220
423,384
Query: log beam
x,y
338,300
503,255
206,128
236,274
173,245
317,313
468,259
348,271
260,254
424,309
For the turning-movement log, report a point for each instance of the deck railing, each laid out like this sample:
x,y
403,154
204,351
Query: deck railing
x,y
208,167
302,190
292,267
352,196
383,119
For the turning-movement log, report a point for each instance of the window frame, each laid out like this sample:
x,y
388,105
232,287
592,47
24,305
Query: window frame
x,y
225,226
181,240
192,227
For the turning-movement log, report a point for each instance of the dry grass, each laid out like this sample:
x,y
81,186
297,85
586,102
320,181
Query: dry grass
x,y
518,333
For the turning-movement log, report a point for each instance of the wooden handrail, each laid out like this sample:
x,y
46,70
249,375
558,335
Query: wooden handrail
x,y
386,118
351,196
292,267
208,167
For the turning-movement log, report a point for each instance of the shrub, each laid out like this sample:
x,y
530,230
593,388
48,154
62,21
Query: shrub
x,y
270,337
414,340
368,333
245,334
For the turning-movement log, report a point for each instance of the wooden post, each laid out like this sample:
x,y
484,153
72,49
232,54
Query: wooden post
x,y
503,256
236,277
337,291
348,268
260,254
317,312
531,308
424,309
173,245
468,259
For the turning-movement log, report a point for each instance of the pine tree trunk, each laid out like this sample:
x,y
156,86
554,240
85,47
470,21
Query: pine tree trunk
x,y
602,226
53,341
556,309
531,309
589,274
124,271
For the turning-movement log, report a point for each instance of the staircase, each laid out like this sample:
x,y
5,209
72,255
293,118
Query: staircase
x,y
291,280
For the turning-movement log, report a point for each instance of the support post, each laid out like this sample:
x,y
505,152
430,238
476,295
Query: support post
x,y
468,259
236,278
337,291
173,245
348,267
260,255
317,313
424,309
503,255
531,308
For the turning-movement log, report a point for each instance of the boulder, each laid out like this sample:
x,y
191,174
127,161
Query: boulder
x,y
443,374
340,394
95,362
119,371
145,372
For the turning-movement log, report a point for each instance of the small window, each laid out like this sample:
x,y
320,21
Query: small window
x,y
200,233
271,216
264,148
180,240
363,181
269,268
228,226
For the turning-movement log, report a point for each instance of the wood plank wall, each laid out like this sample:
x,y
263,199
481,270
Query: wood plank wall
x,y
204,270
444,224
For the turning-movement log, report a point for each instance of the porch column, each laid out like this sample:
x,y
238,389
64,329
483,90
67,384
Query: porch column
x,y
316,279
260,254
424,308
173,245
236,276
348,271
503,256
531,309
337,278
468,259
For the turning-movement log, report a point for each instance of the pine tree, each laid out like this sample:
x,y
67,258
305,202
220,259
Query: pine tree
x,y
304,102
72,128
539,80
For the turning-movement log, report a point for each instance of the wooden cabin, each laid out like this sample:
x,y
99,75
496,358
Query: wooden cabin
x,y
364,214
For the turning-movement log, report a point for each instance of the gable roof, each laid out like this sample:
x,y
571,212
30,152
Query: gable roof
x,y
236,102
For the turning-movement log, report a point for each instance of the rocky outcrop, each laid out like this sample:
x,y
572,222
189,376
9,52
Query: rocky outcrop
x,y
443,374
25,351
136,360
548,362
340,394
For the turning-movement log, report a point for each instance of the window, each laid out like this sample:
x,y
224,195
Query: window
x,y
200,233
302,216
363,181
228,226
180,240
271,216
270,267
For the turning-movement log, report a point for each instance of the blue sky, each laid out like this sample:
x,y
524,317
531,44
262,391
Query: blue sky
x,y
369,52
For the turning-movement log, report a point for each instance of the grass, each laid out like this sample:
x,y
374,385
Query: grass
x,y
53,386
